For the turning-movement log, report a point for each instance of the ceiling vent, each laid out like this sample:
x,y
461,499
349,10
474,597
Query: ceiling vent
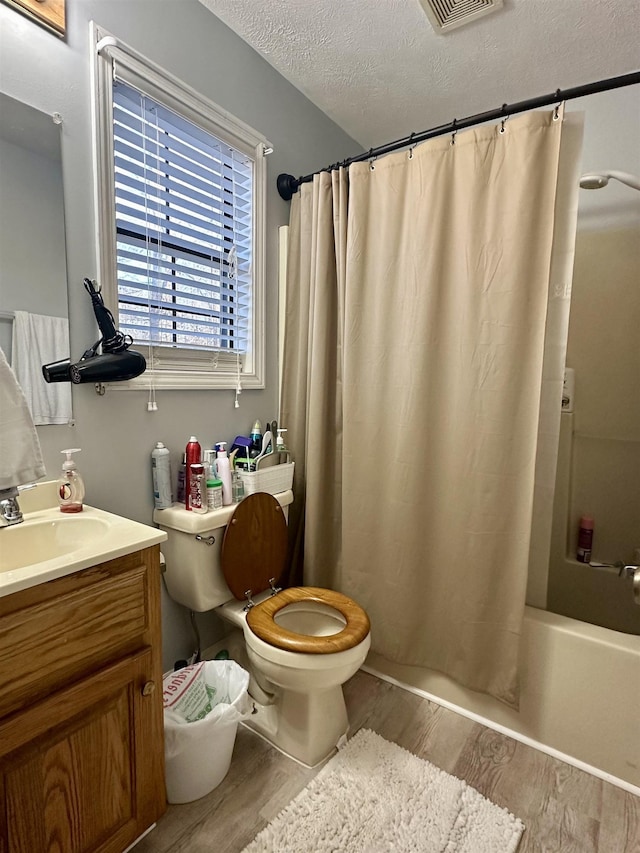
x,y
446,15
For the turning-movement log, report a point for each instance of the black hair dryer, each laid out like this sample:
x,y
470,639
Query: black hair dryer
x,y
116,363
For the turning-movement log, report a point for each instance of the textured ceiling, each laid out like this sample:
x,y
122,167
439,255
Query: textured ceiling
x,y
378,69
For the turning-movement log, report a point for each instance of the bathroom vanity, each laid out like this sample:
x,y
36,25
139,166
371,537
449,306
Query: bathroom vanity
x,y
81,725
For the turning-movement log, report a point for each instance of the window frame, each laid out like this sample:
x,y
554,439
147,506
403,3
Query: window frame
x,y
174,367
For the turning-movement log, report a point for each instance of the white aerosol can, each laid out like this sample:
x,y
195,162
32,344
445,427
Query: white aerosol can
x,y
161,473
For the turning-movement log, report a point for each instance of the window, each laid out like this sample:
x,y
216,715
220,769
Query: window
x,y
180,190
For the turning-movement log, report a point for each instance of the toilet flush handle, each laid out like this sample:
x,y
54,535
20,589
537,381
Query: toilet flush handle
x,y
208,540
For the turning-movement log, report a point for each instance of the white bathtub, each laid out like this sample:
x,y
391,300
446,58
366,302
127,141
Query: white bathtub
x,y
580,695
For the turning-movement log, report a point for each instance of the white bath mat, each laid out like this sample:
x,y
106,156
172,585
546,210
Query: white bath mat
x,y
375,797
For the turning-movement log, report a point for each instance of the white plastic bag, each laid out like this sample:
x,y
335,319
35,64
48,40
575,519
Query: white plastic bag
x,y
186,696
198,754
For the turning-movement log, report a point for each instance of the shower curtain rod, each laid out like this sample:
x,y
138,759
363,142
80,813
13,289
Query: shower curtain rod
x,y
288,185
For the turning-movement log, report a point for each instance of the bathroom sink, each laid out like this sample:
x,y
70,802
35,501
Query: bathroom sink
x,y
45,539
49,544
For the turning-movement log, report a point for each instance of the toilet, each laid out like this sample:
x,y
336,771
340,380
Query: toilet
x,y
301,643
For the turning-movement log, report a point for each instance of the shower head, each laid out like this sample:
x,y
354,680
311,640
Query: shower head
x,y
601,179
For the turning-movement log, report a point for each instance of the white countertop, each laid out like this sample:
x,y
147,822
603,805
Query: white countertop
x,y
101,536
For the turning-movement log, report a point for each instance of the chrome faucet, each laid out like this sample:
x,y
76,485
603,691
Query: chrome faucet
x,y
10,512
628,571
632,571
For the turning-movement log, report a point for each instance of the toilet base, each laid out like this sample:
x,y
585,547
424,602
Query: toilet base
x,y
305,726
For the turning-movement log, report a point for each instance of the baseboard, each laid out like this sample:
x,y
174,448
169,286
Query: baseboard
x,y
139,838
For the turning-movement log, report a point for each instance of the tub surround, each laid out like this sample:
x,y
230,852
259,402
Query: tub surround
x,y
599,452
577,590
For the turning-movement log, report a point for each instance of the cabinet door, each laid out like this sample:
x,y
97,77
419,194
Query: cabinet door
x,y
82,771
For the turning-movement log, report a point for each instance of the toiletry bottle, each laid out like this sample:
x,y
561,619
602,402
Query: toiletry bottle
x,y
223,468
209,462
256,440
194,457
237,486
70,485
197,488
585,539
181,482
214,492
161,474
282,448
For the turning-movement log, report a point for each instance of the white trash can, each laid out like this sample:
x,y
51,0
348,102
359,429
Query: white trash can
x,y
198,754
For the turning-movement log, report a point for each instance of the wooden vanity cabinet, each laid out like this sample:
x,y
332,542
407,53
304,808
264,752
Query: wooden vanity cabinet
x,y
81,724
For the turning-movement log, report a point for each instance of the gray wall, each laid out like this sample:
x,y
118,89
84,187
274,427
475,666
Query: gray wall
x,y
115,432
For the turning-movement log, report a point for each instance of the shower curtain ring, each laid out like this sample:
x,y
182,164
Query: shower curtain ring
x,y
411,145
556,112
453,135
502,123
371,160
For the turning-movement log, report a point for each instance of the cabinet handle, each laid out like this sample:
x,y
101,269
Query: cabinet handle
x,y
148,688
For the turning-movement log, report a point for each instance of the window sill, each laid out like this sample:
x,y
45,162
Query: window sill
x,y
185,381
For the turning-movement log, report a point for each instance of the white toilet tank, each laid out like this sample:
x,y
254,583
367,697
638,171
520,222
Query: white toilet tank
x,y
193,572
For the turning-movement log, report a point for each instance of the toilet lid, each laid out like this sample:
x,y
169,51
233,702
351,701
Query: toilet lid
x,y
254,547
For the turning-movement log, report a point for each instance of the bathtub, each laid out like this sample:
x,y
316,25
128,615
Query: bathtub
x,y
579,701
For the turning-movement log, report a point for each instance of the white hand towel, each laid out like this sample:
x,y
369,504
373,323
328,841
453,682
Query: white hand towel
x,y
37,340
20,454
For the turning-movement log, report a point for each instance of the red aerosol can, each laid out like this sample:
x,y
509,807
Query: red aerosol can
x,y
193,453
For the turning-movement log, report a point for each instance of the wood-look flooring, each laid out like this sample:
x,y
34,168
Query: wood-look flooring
x,y
565,810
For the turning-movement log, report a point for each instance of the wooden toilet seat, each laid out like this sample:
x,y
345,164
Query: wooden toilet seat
x,y
254,551
261,620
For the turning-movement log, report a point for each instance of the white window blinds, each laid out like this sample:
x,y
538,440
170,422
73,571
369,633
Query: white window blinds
x,y
184,225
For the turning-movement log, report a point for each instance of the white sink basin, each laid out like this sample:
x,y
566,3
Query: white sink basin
x,y
49,544
45,539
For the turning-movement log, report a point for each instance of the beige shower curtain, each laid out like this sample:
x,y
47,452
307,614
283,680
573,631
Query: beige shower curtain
x,y
418,291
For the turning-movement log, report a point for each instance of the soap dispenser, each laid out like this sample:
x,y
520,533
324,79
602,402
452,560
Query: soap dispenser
x,y
70,484
282,448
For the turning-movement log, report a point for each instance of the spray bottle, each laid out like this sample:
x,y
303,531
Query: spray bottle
x,y
193,454
70,484
182,479
161,476
256,440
